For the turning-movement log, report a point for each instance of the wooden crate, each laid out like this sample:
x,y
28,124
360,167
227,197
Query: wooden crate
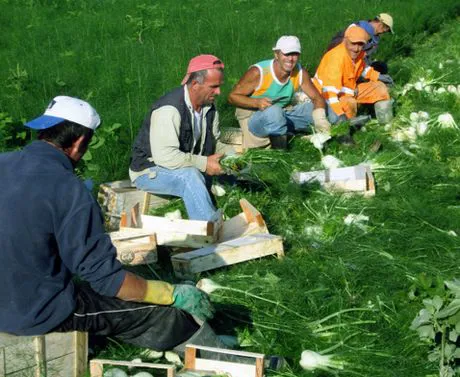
x,y
253,365
250,221
118,197
234,369
96,367
354,179
51,355
135,246
232,136
194,233
227,253
180,232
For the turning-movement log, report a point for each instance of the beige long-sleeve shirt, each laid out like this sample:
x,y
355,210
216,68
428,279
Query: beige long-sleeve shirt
x,y
164,139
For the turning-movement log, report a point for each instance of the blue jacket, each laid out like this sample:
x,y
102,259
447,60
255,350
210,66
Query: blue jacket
x,y
51,229
371,46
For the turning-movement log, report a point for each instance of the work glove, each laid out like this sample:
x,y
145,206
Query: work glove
x,y
320,121
386,79
159,292
193,300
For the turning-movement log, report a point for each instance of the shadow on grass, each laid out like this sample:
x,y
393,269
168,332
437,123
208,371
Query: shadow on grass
x,y
229,317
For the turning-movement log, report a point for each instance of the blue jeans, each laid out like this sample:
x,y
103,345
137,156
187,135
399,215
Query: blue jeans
x,y
276,121
186,183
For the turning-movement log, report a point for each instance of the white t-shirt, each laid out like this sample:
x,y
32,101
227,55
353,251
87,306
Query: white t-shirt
x,y
197,125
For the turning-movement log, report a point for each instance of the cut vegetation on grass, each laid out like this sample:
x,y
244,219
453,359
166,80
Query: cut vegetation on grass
x,y
362,283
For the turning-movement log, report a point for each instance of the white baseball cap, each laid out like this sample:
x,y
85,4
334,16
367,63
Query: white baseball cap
x,y
287,44
63,108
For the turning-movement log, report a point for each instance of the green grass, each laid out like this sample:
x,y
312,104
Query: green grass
x,y
405,241
121,55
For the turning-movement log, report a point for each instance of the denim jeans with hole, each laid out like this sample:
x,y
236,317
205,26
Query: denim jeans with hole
x,y
187,183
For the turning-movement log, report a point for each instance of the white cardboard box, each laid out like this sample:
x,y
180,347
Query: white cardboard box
x,y
357,179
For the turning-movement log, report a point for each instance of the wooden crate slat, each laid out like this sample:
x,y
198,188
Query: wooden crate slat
x,y
234,368
40,356
184,240
238,226
61,367
53,355
135,252
80,362
59,344
129,233
135,246
160,224
96,366
251,213
181,232
119,197
2,361
227,253
20,356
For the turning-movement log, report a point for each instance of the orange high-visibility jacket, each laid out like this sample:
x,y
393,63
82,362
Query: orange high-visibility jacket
x,y
337,75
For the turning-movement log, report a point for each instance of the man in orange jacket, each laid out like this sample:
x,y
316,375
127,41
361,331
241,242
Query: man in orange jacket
x,y
337,79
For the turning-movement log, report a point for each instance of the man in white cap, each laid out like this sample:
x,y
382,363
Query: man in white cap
x,y
53,230
380,25
264,97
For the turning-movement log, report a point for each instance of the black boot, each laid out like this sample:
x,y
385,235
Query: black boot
x,y
205,336
278,141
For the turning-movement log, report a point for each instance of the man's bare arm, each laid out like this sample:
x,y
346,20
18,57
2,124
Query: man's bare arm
x,y
133,288
310,90
240,94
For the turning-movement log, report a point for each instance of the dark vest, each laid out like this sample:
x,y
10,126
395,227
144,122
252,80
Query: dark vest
x,y
141,151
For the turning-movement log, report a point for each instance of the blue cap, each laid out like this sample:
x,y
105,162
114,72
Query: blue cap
x,y
43,122
368,27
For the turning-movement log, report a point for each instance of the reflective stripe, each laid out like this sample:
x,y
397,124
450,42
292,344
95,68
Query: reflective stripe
x,y
332,89
347,90
319,80
332,100
367,69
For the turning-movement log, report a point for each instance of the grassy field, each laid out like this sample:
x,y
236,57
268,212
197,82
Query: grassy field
x,y
351,290
122,55
391,261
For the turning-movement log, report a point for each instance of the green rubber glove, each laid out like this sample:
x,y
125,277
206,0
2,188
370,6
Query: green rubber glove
x,y
193,300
